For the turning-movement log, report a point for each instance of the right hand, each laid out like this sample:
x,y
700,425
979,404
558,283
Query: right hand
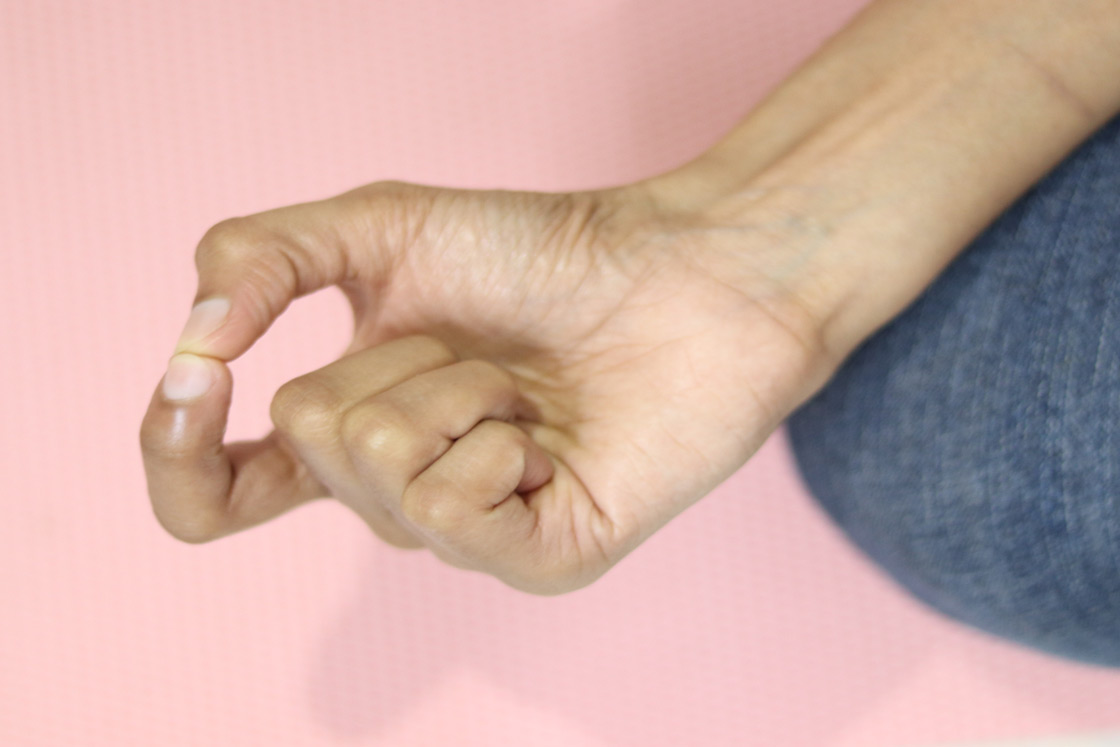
x,y
648,363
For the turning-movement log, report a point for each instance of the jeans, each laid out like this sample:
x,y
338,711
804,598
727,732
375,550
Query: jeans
x,y
971,447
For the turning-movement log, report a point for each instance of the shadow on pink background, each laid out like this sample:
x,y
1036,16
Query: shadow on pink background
x,y
127,128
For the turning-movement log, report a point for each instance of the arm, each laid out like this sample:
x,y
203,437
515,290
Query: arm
x,y
898,142
540,381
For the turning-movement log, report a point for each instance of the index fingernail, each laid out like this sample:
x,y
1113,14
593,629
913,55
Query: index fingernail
x,y
206,317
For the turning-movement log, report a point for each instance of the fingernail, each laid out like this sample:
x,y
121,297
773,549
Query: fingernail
x,y
205,318
188,376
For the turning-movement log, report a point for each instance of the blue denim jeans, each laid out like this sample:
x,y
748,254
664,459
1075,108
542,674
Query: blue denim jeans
x,y
971,447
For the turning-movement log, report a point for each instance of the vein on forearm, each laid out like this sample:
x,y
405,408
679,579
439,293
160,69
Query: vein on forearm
x,y
906,134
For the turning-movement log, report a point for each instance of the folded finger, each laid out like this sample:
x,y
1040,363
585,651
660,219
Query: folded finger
x,y
470,503
309,411
250,268
394,435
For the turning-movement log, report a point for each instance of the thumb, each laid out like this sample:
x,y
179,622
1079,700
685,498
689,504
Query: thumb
x,y
251,268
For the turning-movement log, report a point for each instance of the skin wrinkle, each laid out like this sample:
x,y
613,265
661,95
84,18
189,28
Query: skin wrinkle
x,y
592,298
1061,90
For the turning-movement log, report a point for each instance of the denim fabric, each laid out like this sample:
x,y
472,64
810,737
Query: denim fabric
x,y
971,447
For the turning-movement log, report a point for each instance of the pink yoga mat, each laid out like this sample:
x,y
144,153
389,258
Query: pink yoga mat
x,y
127,128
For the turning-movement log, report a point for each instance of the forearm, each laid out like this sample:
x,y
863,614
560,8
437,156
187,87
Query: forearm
x,y
894,145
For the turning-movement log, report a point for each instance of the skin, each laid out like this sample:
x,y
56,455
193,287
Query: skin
x,y
538,382
511,413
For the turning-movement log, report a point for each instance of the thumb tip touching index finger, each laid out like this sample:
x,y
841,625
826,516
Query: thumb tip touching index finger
x,y
251,268
206,318
222,327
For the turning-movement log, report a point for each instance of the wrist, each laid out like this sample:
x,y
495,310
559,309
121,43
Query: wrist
x,y
856,212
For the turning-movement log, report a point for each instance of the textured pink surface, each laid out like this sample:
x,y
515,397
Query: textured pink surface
x,y
126,129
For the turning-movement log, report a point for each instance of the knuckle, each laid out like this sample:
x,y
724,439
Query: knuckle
x,y
374,429
430,506
390,189
305,408
226,239
399,209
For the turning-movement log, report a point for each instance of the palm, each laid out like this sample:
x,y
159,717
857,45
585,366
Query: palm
x,y
649,379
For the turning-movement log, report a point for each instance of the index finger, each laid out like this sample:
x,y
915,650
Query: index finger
x,y
251,268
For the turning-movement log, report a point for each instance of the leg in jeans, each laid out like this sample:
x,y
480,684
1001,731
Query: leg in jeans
x,y
971,447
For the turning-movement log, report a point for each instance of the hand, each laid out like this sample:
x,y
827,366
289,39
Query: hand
x,y
537,381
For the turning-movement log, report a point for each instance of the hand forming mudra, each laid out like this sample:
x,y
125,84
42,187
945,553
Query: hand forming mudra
x,y
537,381
540,381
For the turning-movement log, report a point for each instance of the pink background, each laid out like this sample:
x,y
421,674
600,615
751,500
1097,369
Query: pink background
x,y
126,129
